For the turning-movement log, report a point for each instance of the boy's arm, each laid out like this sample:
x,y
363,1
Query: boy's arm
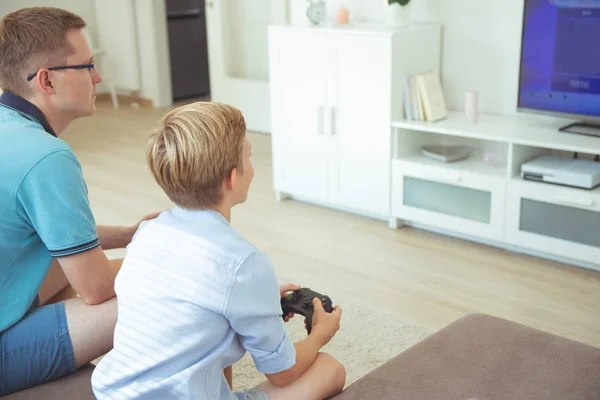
x,y
324,326
253,308
306,353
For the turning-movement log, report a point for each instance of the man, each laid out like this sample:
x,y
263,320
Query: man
x,y
49,244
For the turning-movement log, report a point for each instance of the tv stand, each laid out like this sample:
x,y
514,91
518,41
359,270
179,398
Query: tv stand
x,y
583,128
484,199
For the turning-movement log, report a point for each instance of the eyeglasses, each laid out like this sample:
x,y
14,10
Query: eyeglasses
x,y
81,66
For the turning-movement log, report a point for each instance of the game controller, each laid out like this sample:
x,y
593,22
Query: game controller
x,y
300,302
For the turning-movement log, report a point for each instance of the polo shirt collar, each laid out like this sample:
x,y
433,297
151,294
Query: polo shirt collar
x,y
26,109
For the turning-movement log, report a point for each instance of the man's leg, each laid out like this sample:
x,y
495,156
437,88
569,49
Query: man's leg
x,y
91,328
326,377
53,341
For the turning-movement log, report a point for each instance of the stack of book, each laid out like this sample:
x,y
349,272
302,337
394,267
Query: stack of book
x,y
424,98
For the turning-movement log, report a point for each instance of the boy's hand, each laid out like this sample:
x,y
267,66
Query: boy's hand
x,y
324,324
283,291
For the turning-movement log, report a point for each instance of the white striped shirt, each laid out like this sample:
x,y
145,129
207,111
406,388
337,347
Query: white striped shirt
x,y
193,297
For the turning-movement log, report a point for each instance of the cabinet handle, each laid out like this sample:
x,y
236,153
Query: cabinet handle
x,y
446,179
333,121
321,120
576,202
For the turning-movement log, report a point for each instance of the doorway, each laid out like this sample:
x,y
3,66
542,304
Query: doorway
x,y
188,49
239,57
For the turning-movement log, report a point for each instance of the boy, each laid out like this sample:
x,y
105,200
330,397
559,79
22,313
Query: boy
x,y
194,295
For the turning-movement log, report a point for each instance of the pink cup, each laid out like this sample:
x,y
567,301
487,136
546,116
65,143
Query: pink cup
x,y
471,105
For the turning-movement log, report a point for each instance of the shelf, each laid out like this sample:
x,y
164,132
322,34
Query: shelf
x,y
558,188
361,27
472,165
536,131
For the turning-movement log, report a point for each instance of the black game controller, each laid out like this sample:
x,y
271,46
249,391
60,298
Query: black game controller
x,y
300,302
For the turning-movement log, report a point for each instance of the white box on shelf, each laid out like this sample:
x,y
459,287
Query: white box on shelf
x,y
565,171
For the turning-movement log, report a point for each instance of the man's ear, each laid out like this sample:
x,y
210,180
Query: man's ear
x,y
42,80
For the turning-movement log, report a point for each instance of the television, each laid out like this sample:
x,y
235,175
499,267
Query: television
x,y
560,61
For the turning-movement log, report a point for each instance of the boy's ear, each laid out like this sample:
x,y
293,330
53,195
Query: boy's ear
x,y
231,181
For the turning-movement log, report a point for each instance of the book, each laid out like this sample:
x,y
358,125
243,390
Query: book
x,y
431,95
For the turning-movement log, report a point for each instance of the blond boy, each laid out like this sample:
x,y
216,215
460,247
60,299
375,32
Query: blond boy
x,y
194,295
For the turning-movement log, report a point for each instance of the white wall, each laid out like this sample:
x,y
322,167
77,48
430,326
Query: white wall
x,y
83,8
155,73
150,47
481,44
246,54
150,24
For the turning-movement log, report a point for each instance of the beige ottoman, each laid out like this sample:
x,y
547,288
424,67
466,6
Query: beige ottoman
x,y
480,357
476,358
76,386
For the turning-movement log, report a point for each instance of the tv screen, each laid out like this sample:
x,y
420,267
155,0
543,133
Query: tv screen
x,y
560,57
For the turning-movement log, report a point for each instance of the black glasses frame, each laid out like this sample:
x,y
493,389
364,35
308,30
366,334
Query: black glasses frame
x,y
80,66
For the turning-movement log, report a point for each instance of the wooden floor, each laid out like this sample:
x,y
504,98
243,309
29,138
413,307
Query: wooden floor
x,y
428,278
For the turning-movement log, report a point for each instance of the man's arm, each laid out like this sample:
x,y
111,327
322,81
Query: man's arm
x,y
91,274
114,237
118,237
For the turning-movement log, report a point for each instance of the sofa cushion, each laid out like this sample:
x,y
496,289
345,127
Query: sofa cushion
x,y
75,386
480,357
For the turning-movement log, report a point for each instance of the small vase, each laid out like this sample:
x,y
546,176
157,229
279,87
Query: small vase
x,y
398,16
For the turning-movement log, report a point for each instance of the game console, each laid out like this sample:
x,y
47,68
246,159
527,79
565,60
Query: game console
x,y
567,171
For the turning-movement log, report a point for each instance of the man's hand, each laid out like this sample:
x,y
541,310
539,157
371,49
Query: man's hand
x,y
283,291
134,228
118,237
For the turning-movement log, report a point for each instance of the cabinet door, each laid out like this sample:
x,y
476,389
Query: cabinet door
x,y
359,121
455,201
300,145
554,219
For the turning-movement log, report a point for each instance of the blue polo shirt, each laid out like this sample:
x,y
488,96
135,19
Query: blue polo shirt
x,y
44,207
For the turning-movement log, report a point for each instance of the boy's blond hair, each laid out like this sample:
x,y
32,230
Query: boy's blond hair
x,y
32,38
194,149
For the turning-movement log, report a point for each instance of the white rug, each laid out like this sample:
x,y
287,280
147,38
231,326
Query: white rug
x,y
367,339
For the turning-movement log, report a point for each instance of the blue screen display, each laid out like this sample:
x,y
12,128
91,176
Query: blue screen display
x,y
560,56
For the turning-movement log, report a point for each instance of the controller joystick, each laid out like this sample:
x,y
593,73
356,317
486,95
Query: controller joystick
x,y
300,302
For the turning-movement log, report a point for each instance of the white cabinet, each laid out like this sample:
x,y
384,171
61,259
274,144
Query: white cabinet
x,y
554,219
300,162
483,197
334,94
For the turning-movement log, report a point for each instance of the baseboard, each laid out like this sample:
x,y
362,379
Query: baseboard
x,y
332,206
445,232
126,99
505,246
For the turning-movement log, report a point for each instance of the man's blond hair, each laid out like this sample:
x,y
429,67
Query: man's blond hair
x,y
32,38
194,149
